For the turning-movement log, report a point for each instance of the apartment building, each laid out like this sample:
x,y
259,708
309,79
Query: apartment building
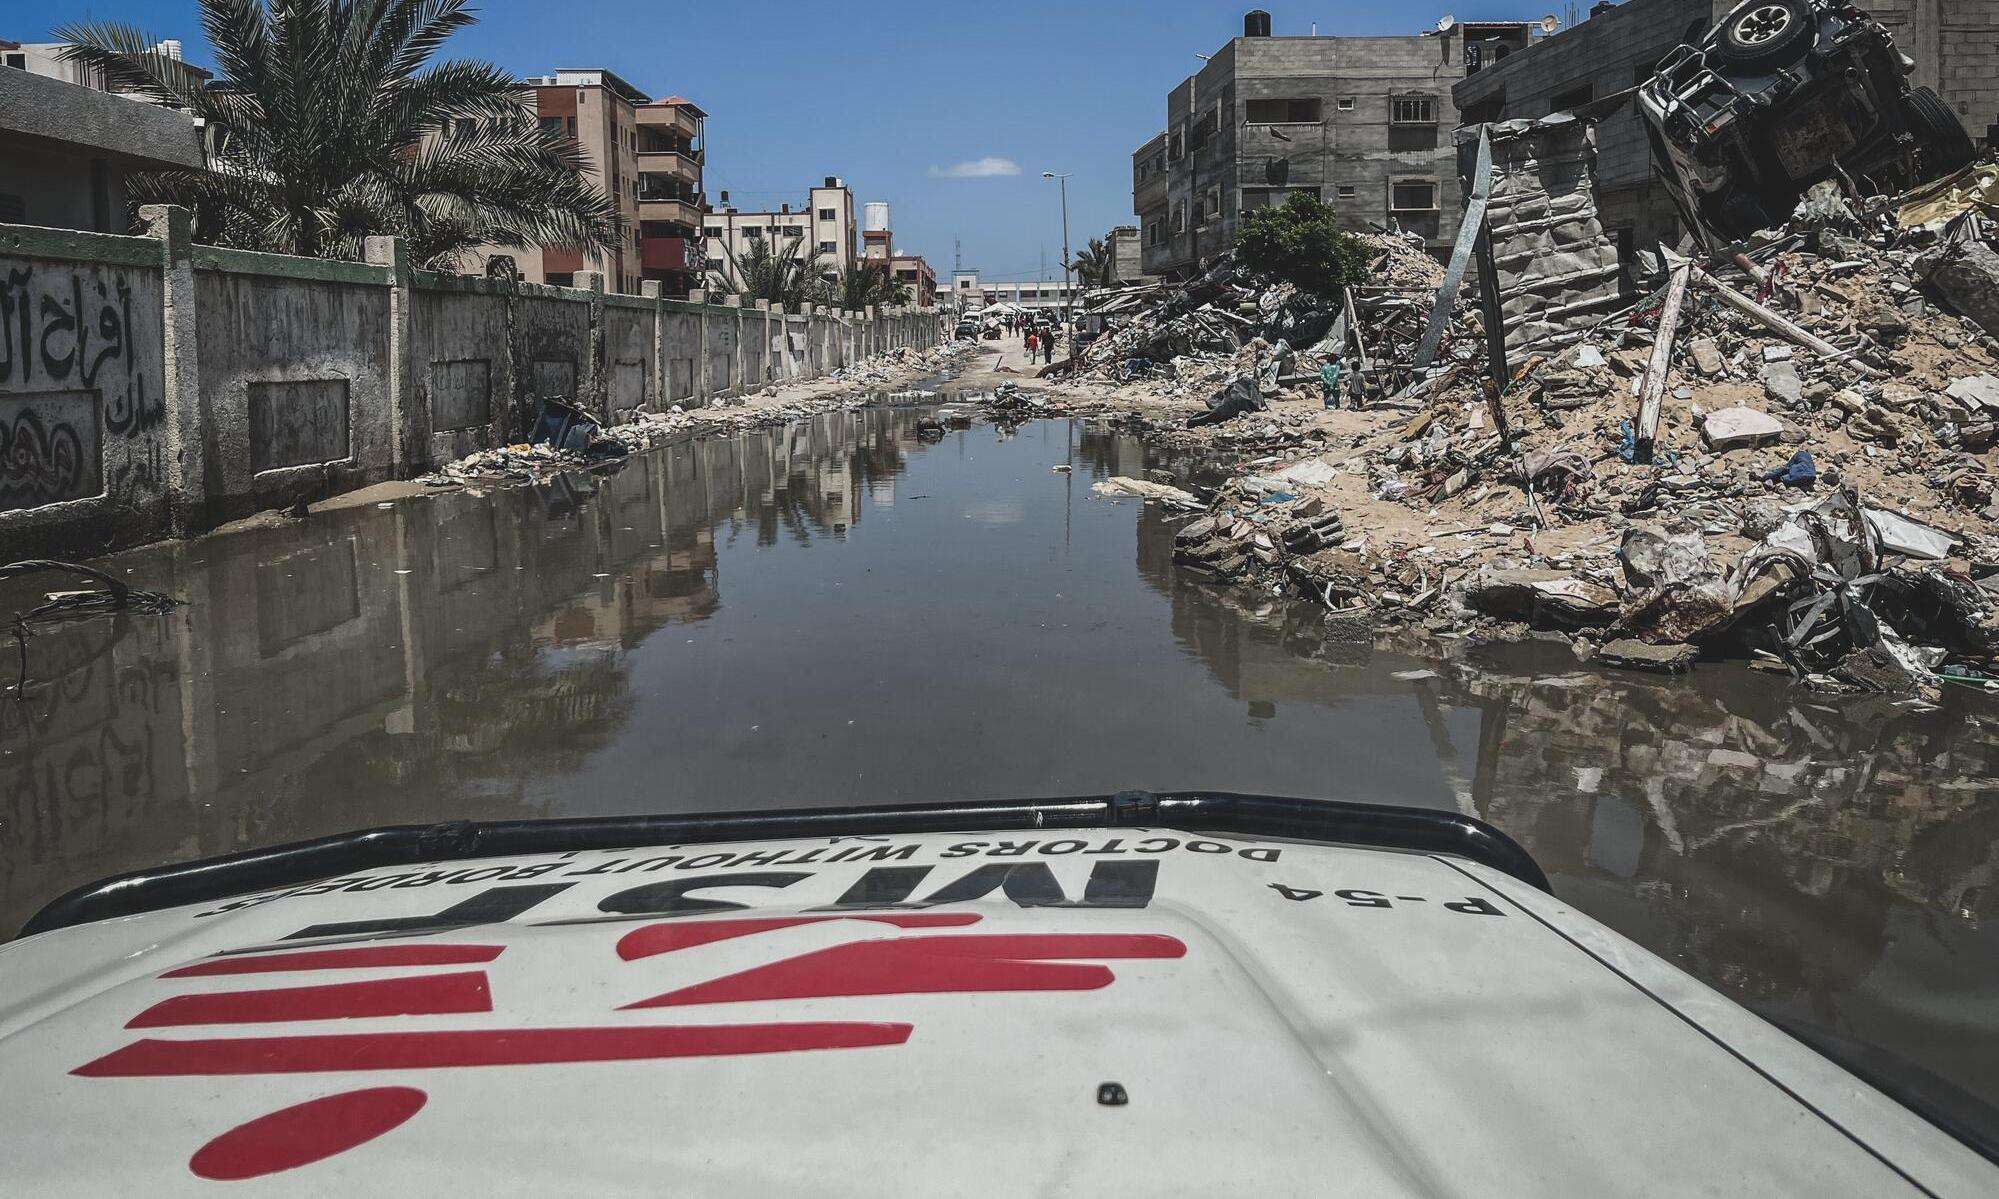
x,y
1954,43
67,147
1364,123
647,155
827,223
913,272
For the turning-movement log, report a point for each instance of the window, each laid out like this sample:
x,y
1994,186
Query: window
x,y
1254,198
753,233
1346,103
1211,205
714,231
827,247
1207,128
1573,99
827,214
1179,146
1283,112
570,124
1412,195
1348,191
964,285
1413,110
1179,216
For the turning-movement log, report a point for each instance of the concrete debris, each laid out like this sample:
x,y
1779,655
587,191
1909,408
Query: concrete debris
x,y
1840,357
1737,428
566,437
1626,654
1145,489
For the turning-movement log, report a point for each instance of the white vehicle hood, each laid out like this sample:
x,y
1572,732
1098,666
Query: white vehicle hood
x,y
1129,1011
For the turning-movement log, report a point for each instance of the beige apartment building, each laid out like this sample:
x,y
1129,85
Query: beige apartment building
x,y
827,223
647,154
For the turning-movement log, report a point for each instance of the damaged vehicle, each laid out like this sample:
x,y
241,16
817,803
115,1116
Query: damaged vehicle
x,y
1781,95
1191,993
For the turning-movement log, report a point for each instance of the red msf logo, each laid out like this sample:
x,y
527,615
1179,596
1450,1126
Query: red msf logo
x,y
331,1124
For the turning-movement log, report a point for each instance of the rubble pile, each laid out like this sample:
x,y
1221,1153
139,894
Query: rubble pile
x,y
1785,456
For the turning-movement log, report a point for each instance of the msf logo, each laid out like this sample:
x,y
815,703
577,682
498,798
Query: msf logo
x,y
220,1020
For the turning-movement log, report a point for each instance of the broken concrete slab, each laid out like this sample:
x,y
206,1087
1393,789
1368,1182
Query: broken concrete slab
x,y
1978,391
1967,275
1740,428
1659,659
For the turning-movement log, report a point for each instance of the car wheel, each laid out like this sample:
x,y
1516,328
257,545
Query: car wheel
x,y
1764,33
1945,146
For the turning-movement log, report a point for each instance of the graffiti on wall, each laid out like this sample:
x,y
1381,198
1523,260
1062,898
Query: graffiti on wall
x,y
49,449
73,370
298,423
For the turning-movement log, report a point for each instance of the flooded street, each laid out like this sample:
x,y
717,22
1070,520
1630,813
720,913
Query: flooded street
x,y
851,611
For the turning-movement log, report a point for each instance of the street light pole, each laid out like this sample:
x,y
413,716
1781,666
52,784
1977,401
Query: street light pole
x,y
1068,291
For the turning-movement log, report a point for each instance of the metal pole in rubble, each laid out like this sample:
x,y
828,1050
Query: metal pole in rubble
x,y
1068,290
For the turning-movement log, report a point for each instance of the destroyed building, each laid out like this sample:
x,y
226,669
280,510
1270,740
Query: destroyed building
x,y
1954,43
1364,123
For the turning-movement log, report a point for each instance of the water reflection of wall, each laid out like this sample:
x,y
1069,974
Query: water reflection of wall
x,y
386,665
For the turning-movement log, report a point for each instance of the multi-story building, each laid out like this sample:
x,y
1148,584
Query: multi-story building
x,y
913,272
67,147
826,224
1127,257
647,156
1364,123
971,293
672,137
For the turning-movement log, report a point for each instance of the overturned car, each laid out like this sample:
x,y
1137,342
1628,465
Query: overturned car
x,y
1782,95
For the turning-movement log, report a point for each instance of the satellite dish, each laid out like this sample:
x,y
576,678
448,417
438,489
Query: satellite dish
x,y
1446,23
1550,23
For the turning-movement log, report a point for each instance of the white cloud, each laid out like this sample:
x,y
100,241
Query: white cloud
x,y
978,168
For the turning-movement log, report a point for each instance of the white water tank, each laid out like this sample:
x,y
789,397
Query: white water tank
x,y
874,218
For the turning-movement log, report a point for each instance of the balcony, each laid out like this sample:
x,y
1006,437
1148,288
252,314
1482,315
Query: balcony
x,y
663,253
668,208
669,118
673,164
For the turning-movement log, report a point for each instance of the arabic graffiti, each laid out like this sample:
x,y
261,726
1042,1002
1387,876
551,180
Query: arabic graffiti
x,y
49,449
74,369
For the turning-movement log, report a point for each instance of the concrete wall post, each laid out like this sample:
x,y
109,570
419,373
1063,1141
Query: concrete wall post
x,y
409,416
186,422
654,290
593,390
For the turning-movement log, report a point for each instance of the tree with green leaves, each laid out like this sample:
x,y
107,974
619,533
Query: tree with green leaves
x,y
1094,264
1301,243
787,280
328,123
864,285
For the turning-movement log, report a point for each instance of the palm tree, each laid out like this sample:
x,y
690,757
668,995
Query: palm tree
x,y
862,285
329,123
786,280
1094,265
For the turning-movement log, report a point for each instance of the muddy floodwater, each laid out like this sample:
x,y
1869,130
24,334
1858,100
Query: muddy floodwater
x,y
853,611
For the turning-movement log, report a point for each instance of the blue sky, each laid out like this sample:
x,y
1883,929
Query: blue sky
x,y
890,94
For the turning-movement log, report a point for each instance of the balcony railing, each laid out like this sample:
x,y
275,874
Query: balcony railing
x,y
668,208
672,163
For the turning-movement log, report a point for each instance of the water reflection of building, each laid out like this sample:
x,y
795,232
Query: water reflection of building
x,y
380,666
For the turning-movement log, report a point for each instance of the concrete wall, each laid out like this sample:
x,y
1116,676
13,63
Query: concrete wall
x,y
149,386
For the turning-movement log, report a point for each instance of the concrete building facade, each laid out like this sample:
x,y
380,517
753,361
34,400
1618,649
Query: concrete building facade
x,y
67,150
913,272
1955,44
1363,123
971,293
827,223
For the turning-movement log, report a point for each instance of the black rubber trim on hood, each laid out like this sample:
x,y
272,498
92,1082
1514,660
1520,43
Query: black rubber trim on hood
x,y
1420,830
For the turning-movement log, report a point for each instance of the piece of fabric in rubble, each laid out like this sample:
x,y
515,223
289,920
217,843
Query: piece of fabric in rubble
x,y
1237,399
